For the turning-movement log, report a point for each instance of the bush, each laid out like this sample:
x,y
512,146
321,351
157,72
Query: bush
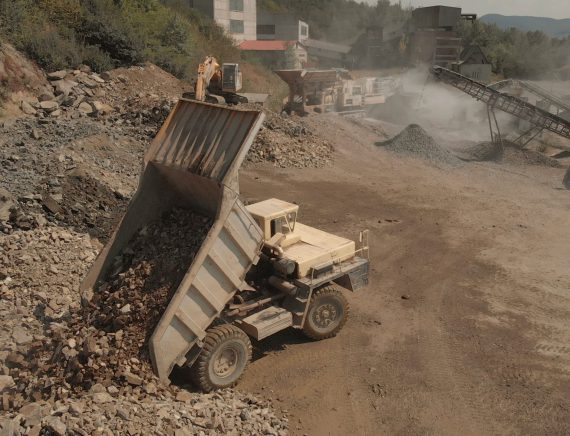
x,y
97,59
52,51
109,33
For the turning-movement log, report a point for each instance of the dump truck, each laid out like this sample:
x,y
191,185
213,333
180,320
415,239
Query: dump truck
x,y
258,271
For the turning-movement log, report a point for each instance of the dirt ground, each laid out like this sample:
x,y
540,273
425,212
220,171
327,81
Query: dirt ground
x,y
464,326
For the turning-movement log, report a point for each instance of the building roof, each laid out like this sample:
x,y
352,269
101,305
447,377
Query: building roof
x,y
329,46
263,45
469,52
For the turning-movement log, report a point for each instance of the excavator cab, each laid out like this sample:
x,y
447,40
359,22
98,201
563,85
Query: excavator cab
x,y
231,78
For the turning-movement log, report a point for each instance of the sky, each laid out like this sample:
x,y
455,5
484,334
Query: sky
x,y
538,8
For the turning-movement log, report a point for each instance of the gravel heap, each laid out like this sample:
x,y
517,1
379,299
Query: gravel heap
x,y
521,156
287,142
566,180
415,141
72,93
85,204
68,367
484,151
106,341
31,154
42,171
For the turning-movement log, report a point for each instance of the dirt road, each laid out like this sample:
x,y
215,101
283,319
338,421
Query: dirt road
x,y
464,327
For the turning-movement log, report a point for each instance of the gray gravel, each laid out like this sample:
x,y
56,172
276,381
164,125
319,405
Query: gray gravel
x,y
481,152
415,141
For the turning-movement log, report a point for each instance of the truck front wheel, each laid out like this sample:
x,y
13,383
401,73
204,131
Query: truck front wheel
x,y
223,359
327,314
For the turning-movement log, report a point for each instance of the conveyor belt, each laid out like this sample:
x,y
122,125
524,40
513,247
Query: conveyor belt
x,y
539,118
560,104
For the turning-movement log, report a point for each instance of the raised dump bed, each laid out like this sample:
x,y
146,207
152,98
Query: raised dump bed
x,y
193,164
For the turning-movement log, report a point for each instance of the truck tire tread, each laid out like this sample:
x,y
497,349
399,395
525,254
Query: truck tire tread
x,y
214,337
327,290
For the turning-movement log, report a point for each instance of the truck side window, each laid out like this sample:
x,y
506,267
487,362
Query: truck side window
x,y
278,225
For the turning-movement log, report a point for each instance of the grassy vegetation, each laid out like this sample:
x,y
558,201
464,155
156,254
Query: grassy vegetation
x,y
109,33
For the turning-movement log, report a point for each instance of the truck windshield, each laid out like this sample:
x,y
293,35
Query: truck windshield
x,y
284,224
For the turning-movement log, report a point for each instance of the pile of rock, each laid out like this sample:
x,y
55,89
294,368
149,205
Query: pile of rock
x,y
182,414
415,141
43,173
480,152
85,204
287,142
67,367
106,341
75,93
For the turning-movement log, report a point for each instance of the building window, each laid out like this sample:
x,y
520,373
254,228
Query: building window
x,y
236,6
304,30
266,29
236,26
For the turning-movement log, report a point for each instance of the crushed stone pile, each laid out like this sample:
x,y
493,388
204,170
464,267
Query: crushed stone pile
x,y
415,141
84,204
67,367
566,180
139,97
106,341
514,154
287,142
101,413
481,152
42,171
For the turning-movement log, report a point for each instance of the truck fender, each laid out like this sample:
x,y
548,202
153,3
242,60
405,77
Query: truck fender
x,y
355,279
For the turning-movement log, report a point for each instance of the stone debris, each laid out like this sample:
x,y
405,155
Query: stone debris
x,y
101,343
68,368
63,172
415,141
515,154
287,142
221,413
481,152
566,180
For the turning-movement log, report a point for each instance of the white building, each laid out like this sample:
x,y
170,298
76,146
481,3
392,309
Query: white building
x,y
285,27
237,17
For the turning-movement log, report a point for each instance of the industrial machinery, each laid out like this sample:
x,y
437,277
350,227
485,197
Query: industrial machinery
x,y
257,272
216,84
539,119
333,90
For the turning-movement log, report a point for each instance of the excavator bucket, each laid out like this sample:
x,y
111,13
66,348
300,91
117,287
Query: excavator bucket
x,y
193,164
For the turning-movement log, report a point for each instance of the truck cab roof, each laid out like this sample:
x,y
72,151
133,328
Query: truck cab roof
x,y
271,209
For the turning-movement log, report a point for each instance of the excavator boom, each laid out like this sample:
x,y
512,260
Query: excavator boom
x,y
206,71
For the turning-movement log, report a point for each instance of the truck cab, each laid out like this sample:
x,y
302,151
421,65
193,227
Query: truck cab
x,y
309,248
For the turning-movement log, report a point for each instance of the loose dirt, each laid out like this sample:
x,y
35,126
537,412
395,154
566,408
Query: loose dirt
x,y
478,346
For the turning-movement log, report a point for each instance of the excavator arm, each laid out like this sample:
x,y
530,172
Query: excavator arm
x,y
206,71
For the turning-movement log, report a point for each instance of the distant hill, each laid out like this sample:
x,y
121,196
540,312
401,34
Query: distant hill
x,y
550,26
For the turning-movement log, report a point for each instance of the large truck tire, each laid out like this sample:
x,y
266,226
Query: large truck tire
x,y
223,359
327,314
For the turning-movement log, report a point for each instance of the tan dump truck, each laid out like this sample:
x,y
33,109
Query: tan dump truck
x,y
258,271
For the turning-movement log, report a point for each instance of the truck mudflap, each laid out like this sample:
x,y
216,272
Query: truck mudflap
x,y
193,164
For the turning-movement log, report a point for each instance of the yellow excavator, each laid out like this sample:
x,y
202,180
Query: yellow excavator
x,y
216,84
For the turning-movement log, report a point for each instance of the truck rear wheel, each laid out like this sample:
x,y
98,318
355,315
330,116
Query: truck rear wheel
x,y
223,359
327,314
